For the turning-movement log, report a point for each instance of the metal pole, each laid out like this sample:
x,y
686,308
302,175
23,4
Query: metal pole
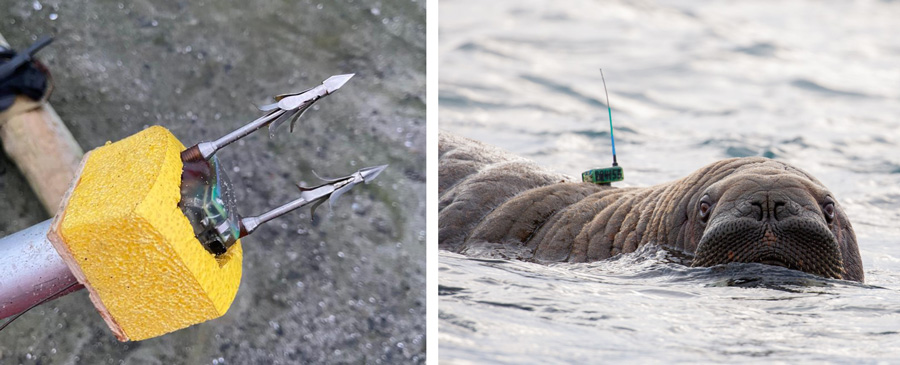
x,y
30,270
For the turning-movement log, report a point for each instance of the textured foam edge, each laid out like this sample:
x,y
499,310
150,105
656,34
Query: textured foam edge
x,y
62,249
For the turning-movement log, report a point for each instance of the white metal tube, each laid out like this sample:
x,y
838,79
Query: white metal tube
x,y
30,270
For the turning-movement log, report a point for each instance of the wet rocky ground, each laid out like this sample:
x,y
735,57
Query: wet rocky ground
x,y
348,287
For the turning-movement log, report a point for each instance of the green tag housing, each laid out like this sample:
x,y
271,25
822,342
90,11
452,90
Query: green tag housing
x,y
603,176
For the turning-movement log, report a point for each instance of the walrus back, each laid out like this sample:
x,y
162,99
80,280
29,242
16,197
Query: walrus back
x,y
474,179
491,198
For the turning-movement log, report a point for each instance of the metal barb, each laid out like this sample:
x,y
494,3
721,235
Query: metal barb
x,y
287,107
331,191
292,106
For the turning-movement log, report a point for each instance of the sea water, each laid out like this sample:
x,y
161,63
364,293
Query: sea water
x,y
815,84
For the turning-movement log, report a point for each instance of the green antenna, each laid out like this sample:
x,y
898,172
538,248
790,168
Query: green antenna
x,y
608,175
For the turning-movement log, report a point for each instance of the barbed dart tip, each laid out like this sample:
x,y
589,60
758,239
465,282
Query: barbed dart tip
x,y
370,173
292,106
365,175
286,107
331,190
305,98
335,82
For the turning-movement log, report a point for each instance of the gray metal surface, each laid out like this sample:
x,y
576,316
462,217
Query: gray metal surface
x,y
30,269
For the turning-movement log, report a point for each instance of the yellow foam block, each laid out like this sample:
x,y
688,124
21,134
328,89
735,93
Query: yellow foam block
x,y
123,236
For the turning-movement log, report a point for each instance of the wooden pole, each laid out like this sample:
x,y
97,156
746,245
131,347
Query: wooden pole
x,y
41,146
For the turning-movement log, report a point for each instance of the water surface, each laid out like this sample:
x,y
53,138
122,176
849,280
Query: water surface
x,y
691,82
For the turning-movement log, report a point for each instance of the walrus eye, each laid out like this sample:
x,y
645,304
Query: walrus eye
x,y
828,209
704,209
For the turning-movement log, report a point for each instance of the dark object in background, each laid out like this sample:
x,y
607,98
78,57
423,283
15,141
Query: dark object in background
x,y
22,75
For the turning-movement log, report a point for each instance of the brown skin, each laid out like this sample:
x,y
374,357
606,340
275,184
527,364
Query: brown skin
x,y
736,210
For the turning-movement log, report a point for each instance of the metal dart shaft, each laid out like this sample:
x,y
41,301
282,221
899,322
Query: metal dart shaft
x,y
317,195
207,199
249,224
287,106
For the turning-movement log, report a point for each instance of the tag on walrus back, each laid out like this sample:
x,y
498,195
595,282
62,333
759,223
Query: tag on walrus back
x,y
603,176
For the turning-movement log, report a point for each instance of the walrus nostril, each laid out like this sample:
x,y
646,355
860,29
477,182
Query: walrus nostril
x,y
781,211
769,209
758,210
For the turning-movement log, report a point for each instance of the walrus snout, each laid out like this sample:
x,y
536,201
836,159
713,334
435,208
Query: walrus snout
x,y
795,243
773,220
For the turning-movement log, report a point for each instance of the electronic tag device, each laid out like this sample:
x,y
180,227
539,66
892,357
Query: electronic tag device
x,y
606,175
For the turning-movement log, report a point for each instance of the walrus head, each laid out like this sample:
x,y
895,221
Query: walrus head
x,y
773,213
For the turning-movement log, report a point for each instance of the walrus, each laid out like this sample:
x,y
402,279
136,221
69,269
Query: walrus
x,y
751,209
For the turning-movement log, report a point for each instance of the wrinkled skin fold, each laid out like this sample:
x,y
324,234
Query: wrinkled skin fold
x,y
736,210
